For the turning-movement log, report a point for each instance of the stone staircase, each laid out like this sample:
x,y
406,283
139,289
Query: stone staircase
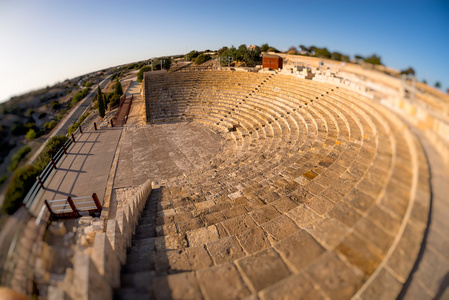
x,y
140,266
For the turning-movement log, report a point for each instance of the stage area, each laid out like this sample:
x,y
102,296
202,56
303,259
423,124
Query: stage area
x,y
163,151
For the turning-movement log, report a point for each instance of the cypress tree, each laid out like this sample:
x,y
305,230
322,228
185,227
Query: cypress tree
x,y
118,88
101,108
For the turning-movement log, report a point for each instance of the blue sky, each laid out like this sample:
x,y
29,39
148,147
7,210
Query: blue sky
x,y
43,42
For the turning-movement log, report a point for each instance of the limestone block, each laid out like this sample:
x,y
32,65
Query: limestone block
x,y
57,228
87,282
55,293
134,214
123,224
202,236
106,260
117,242
98,225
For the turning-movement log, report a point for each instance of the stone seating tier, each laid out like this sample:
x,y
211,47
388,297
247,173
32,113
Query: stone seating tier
x,y
316,193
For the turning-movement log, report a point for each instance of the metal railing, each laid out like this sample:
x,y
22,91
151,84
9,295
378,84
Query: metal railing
x,y
115,120
32,194
73,207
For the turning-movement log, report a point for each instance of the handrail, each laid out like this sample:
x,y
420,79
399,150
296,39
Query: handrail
x,y
71,210
32,194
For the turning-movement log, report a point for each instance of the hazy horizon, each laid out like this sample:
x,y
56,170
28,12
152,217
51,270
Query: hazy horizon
x,y
50,41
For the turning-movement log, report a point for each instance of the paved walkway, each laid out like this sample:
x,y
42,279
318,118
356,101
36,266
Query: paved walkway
x,y
85,169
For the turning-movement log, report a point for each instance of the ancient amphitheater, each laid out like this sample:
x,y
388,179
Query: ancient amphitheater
x,y
315,192
261,185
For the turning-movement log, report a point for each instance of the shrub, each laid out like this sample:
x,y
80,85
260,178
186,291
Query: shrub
x,y
141,71
106,98
202,58
24,177
17,157
3,179
373,59
53,145
55,105
31,134
50,125
101,107
114,101
29,112
116,75
62,113
42,115
166,63
192,55
79,96
21,182
118,90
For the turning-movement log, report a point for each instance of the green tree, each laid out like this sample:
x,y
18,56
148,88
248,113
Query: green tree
x,y
437,84
221,50
229,52
304,49
373,59
50,125
202,58
31,134
408,71
166,63
241,52
118,90
336,56
114,101
192,55
344,58
101,108
252,57
264,47
322,52
292,49
55,105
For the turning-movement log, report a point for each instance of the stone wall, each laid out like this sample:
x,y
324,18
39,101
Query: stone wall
x,y
96,270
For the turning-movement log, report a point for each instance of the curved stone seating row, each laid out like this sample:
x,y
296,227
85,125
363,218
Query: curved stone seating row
x,y
318,193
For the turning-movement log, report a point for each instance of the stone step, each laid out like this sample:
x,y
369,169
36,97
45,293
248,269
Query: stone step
x,y
132,293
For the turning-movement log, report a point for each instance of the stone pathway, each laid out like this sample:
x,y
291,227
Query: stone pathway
x,y
84,170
